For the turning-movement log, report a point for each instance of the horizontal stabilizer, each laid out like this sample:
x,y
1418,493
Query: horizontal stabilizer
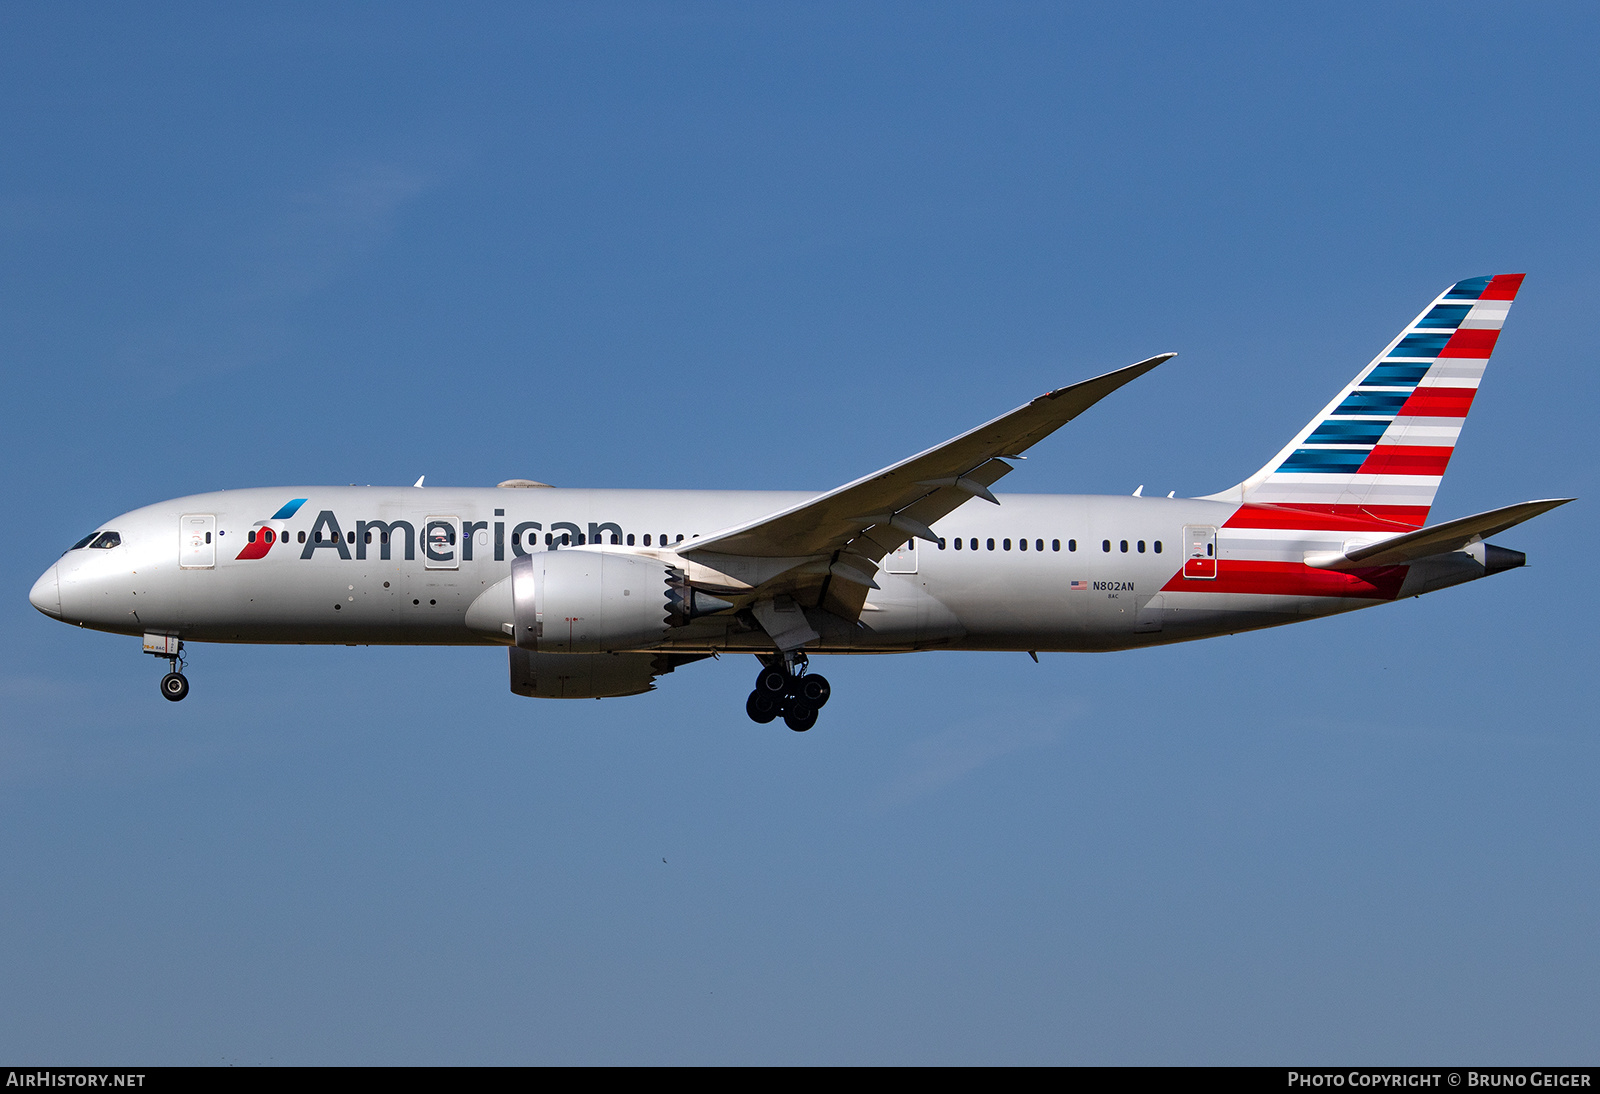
x,y
1437,539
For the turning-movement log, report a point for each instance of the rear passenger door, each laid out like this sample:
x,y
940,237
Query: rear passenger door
x,y
1200,552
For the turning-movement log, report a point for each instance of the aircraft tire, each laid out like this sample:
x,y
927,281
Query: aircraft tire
x,y
772,681
761,706
174,686
814,691
800,716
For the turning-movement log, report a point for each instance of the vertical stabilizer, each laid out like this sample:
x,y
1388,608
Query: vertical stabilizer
x,y
1379,449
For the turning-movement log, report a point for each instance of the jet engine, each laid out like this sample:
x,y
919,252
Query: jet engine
x,y
588,602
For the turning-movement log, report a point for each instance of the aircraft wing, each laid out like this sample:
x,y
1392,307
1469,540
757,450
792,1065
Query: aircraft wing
x,y
1436,539
875,514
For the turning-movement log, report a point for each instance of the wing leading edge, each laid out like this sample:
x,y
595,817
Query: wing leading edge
x,y
903,499
824,553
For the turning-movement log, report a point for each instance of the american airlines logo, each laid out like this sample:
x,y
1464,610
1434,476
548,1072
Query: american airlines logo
x,y
437,539
261,538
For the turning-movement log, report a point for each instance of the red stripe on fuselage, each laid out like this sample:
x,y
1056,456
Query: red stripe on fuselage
x,y
1336,518
1406,459
1438,402
1294,579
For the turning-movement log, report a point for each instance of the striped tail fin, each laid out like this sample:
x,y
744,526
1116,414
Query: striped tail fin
x,y
1378,451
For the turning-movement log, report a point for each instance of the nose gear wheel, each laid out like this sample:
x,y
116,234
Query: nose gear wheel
x,y
174,686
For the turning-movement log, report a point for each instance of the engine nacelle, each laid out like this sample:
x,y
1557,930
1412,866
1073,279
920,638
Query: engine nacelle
x,y
584,602
588,601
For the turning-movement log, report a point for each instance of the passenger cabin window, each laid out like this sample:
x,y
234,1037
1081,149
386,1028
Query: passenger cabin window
x,y
1158,546
941,543
991,545
1038,545
974,544
1141,546
647,539
1124,546
1022,545
302,537
958,545
1006,544
630,539
1072,545
1105,545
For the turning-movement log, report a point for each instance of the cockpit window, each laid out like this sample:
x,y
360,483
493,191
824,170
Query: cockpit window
x,y
107,540
82,543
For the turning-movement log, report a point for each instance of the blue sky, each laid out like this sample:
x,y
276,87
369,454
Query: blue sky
x,y
759,246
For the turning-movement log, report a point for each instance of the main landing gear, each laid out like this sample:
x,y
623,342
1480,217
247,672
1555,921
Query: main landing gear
x,y
784,688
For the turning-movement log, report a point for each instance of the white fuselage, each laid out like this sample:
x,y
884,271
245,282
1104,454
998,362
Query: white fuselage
x,y
1039,578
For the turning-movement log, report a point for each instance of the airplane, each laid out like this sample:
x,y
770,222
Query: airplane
x,y
596,593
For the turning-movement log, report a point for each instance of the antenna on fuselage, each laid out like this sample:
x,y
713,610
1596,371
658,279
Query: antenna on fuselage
x,y
418,483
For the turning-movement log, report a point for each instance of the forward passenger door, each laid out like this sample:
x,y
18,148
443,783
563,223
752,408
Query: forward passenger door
x,y
197,548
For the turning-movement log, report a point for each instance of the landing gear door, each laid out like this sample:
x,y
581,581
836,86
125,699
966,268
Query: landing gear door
x,y
440,547
1200,559
197,547
903,559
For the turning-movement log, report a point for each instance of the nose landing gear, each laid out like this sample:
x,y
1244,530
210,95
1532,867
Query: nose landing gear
x,y
784,688
174,685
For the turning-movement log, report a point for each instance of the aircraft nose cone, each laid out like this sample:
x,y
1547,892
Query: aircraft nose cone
x,y
46,594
